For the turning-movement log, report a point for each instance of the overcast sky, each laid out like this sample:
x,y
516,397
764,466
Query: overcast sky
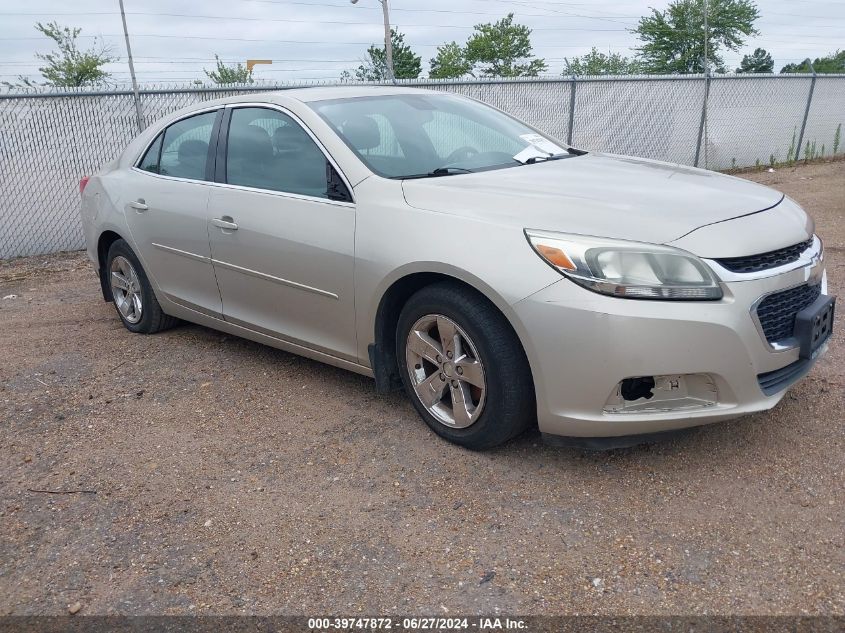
x,y
316,39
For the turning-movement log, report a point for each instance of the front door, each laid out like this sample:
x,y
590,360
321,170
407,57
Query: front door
x,y
166,208
283,251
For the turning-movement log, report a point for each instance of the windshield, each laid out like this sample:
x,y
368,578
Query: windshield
x,y
418,135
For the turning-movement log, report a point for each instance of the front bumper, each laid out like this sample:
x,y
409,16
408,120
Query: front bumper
x,y
582,344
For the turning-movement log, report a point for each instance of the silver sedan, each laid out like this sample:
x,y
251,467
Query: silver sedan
x,y
502,278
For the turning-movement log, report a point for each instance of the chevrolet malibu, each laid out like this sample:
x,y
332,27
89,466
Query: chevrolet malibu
x,y
499,276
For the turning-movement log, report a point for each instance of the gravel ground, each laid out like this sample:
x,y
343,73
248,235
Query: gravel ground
x,y
208,474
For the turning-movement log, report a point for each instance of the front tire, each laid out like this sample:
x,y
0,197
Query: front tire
x,y
132,294
463,367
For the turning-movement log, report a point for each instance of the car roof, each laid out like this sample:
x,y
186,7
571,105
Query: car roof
x,y
324,93
302,95
309,95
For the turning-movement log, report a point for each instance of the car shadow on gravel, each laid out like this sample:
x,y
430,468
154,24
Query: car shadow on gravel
x,y
721,441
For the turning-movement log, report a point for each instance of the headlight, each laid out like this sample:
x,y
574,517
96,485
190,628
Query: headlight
x,y
627,269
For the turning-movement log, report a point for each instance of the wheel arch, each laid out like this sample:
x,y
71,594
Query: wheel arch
x,y
104,242
397,290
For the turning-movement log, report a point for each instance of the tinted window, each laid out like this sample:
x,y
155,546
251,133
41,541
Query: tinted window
x,y
269,150
150,160
185,150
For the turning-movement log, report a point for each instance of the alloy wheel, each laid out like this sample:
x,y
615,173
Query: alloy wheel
x,y
446,371
126,289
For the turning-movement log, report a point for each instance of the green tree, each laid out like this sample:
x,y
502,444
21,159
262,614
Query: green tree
x,y
406,63
22,82
673,40
832,63
68,66
450,62
223,74
760,61
597,63
502,49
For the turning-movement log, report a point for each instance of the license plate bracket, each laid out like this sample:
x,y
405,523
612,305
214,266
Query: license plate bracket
x,y
814,325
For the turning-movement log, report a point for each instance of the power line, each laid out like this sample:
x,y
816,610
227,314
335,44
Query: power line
x,y
346,22
451,11
525,3
814,27
577,15
206,59
395,9
323,42
199,37
229,18
241,39
559,4
804,15
200,60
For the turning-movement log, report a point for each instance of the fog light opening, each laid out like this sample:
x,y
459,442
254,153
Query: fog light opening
x,y
663,393
636,388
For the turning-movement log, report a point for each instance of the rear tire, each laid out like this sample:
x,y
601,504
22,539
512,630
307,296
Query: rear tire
x,y
132,295
463,367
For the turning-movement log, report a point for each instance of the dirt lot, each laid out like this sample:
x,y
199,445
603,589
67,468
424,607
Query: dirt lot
x,y
208,474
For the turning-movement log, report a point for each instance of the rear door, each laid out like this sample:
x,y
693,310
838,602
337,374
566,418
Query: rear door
x,y
282,233
166,200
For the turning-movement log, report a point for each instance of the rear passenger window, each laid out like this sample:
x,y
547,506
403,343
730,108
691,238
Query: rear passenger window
x,y
184,151
268,150
150,160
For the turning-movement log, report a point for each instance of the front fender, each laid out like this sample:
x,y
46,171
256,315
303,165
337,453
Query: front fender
x,y
394,240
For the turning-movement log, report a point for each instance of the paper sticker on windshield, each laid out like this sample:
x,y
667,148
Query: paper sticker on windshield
x,y
528,153
541,143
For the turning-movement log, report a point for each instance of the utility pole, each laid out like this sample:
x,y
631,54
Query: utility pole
x,y
388,40
706,89
135,94
706,64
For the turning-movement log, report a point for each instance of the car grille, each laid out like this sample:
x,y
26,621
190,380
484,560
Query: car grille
x,y
765,261
777,311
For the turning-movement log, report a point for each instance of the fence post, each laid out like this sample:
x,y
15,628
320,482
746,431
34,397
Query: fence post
x,y
571,130
703,121
806,114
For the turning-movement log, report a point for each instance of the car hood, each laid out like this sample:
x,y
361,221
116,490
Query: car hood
x,y
596,194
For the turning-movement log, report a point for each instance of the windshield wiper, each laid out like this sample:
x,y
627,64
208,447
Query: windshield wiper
x,y
436,173
569,153
543,159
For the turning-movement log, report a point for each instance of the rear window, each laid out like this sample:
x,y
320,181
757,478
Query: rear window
x,y
181,150
184,151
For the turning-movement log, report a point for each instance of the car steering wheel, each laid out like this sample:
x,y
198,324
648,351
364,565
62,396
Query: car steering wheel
x,y
462,153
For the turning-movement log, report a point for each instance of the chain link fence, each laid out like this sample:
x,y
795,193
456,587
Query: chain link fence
x,y
49,140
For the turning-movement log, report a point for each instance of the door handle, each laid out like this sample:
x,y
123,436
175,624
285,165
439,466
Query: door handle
x,y
225,223
139,205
